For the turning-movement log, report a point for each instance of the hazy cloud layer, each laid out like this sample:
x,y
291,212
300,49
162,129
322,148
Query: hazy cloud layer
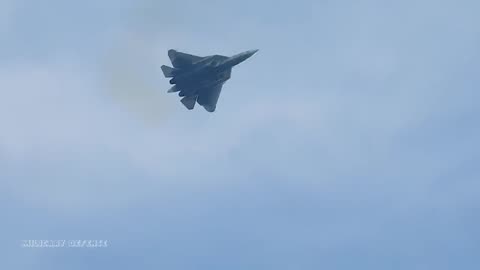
x,y
348,142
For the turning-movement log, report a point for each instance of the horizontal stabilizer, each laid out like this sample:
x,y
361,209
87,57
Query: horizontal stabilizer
x,y
189,102
173,89
169,72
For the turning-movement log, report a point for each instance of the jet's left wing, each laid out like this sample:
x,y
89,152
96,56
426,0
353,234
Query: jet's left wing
x,y
208,97
181,60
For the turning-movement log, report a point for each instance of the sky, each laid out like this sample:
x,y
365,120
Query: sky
x,y
349,141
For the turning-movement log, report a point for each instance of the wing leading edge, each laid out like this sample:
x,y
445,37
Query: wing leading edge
x,y
181,60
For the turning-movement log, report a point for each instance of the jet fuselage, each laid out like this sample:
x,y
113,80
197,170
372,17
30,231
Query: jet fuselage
x,y
200,79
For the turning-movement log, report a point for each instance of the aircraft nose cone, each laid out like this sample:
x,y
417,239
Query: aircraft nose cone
x,y
252,52
239,58
248,54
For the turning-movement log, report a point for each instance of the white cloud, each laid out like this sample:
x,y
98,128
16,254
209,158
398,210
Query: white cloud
x,y
43,106
79,142
75,134
59,124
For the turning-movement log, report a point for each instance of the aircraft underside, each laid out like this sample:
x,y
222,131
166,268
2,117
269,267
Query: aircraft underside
x,y
200,79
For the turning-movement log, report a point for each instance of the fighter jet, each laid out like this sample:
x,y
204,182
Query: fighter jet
x,y
200,79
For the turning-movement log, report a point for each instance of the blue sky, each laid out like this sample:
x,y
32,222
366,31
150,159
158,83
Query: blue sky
x,y
349,141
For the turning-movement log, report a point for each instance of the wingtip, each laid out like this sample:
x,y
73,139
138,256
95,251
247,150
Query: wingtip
x,y
209,109
171,53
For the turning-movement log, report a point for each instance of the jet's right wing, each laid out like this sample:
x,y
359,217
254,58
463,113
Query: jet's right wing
x,y
181,60
208,97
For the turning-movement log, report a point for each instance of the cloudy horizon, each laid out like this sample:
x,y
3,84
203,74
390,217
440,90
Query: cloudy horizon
x,y
347,142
